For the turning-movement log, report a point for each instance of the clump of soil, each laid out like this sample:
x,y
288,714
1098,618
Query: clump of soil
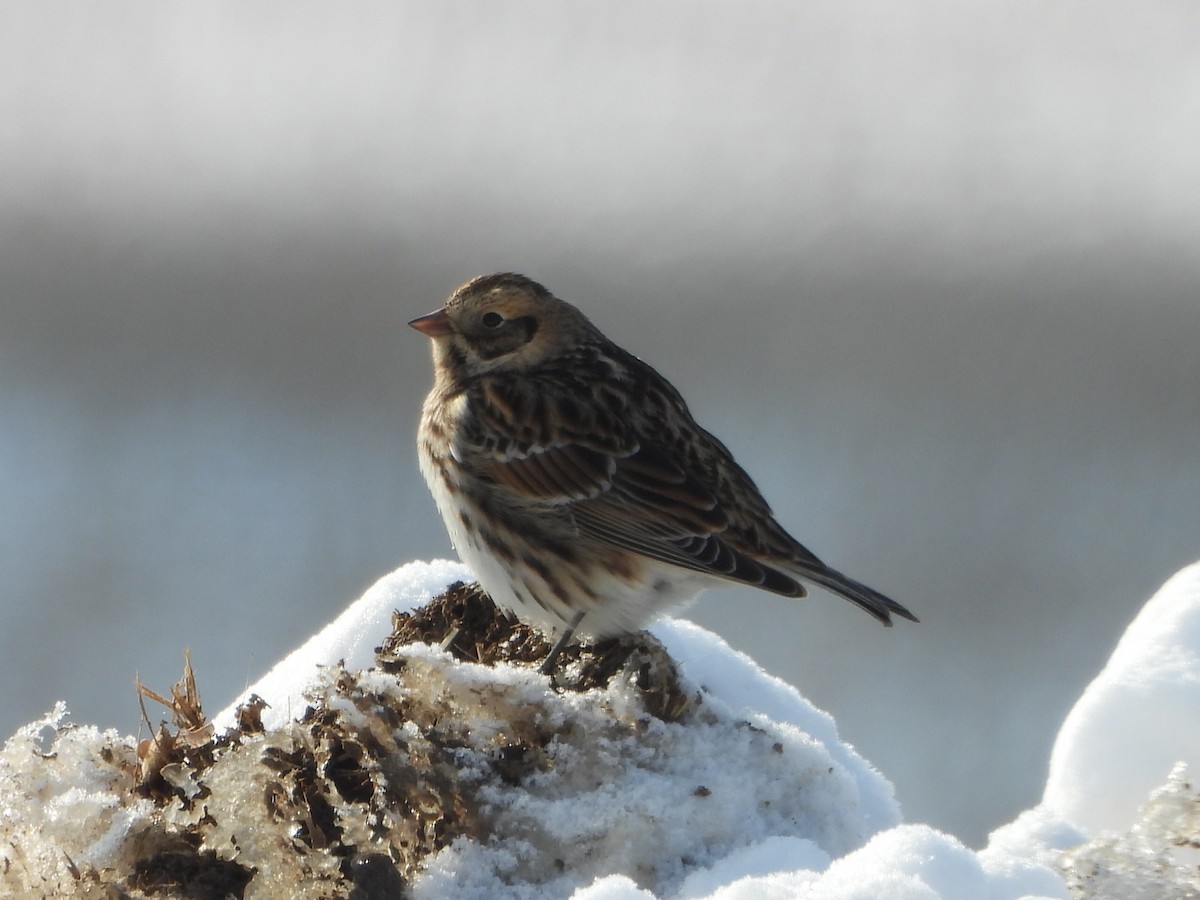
x,y
467,624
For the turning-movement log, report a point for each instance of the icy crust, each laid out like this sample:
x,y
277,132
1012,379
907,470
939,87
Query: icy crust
x,y
66,803
1157,859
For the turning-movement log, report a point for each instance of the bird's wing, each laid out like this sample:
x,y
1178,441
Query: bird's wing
x,y
555,447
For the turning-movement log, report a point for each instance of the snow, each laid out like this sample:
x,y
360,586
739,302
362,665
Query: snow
x,y
1137,719
754,797
630,793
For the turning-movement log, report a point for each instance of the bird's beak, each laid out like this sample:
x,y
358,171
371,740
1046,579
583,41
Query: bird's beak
x,y
436,324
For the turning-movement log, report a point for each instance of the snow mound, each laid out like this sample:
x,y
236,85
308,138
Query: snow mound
x,y
461,779
1137,719
658,771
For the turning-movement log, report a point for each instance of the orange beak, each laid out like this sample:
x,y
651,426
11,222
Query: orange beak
x,y
436,324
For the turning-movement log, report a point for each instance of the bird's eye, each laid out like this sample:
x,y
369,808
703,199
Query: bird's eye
x,y
492,320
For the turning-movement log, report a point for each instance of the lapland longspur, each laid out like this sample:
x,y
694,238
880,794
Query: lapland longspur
x,y
574,481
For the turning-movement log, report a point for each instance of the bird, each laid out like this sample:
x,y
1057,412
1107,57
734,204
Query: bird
x,y
574,481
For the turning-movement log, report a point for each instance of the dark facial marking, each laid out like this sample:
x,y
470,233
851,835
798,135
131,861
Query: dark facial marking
x,y
504,339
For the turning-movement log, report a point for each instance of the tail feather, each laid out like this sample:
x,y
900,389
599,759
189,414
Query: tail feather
x,y
868,599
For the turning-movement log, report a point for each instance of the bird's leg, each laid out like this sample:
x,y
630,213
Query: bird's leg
x,y
547,666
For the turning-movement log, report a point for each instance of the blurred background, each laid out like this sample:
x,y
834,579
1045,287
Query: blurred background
x,y
930,269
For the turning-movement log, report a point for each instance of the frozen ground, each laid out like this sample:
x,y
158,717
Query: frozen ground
x,y
748,794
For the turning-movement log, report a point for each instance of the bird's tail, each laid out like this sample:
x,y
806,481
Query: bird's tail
x,y
869,599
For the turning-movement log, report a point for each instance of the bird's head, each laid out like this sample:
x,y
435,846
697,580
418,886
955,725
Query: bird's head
x,y
501,322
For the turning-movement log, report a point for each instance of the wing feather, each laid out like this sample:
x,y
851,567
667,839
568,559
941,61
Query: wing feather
x,y
560,448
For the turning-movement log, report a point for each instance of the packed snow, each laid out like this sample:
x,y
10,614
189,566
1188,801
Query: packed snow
x,y
755,798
